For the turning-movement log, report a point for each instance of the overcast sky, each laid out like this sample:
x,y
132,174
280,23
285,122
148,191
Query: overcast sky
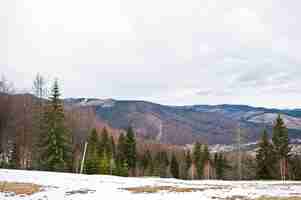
x,y
167,51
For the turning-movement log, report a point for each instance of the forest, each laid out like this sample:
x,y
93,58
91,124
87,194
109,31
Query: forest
x,y
39,132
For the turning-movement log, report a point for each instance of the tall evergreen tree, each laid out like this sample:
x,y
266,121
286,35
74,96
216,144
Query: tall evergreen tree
x,y
92,157
146,162
131,156
174,167
188,162
198,159
104,142
281,146
221,165
112,146
206,162
56,153
120,155
264,155
104,164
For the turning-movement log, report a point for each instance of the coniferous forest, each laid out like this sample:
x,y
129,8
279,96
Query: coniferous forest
x,y
39,132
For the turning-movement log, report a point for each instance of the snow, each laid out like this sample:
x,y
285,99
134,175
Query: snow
x,y
64,186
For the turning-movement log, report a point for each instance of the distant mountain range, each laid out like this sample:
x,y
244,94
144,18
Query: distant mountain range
x,y
187,124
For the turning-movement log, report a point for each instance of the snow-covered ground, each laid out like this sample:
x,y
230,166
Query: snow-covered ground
x,y
63,186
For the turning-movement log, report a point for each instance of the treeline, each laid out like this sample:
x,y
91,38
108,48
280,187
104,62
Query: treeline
x,y
274,159
39,132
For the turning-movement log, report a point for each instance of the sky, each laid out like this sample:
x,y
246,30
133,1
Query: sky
x,y
171,52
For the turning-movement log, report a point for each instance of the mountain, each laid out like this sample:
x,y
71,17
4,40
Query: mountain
x,y
186,124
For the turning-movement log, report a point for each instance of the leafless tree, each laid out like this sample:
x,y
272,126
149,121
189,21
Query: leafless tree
x,y
239,139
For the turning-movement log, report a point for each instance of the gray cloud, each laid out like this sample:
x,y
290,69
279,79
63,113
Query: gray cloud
x,y
171,52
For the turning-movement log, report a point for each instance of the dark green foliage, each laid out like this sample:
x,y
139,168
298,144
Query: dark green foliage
x,y
104,143
295,167
104,164
174,167
205,153
281,146
188,162
198,159
146,162
130,152
112,147
280,138
121,157
56,151
121,150
92,157
221,165
264,158
121,169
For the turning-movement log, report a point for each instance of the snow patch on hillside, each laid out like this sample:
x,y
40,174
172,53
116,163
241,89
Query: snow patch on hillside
x,y
64,186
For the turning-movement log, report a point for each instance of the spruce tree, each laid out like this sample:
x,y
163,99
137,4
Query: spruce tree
x,y
56,153
281,146
221,165
174,167
198,159
205,162
188,162
92,157
104,142
131,156
104,164
264,155
112,146
120,154
146,161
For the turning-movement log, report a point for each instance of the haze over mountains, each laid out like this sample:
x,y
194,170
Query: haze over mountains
x,y
187,124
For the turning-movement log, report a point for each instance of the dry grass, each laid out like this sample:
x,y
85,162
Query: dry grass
x,y
19,188
155,189
279,198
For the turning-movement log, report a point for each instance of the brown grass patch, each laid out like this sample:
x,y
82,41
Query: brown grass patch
x,y
155,189
19,188
279,198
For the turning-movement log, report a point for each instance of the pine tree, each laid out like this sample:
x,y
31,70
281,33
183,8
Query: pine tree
x,y
112,146
146,161
104,142
264,156
104,166
188,162
92,158
56,153
121,156
206,162
174,167
197,159
124,170
131,156
221,165
281,146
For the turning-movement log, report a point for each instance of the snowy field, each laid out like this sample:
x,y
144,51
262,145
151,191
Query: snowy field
x,y
63,186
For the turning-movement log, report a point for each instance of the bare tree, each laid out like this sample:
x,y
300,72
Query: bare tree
x,y
239,139
40,94
6,89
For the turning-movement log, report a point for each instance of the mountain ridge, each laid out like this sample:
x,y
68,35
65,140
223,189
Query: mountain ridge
x,y
181,125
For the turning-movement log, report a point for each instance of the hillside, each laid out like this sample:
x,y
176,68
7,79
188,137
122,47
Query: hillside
x,y
187,124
